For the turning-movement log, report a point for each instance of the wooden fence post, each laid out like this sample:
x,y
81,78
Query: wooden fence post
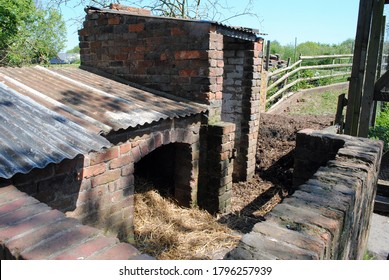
x,y
371,69
262,101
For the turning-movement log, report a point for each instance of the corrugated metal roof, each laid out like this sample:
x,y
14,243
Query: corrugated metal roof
x,y
97,103
244,33
33,136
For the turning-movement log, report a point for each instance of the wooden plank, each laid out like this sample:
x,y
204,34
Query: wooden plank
x,y
382,82
382,96
263,93
327,56
267,56
287,75
342,102
277,72
358,70
371,69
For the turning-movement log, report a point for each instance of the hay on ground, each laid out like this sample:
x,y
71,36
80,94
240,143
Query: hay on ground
x,y
167,231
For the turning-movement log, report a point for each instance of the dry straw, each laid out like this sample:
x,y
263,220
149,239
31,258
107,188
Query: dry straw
x,y
167,231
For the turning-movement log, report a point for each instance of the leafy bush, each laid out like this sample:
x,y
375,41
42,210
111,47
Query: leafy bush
x,y
381,129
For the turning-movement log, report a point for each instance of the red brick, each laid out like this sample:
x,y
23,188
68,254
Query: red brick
x,y
122,183
22,213
175,31
114,21
121,251
119,162
215,72
181,55
125,148
138,11
87,249
16,204
157,140
136,27
163,57
188,73
83,32
31,225
35,238
122,56
6,189
94,170
218,95
95,45
105,178
144,148
52,247
127,170
11,195
136,154
104,156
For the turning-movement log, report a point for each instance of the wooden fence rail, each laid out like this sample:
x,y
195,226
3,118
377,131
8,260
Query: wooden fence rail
x,y
284,82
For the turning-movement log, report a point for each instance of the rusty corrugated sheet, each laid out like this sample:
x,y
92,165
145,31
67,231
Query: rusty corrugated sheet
x,y
97,103
240,32
32,136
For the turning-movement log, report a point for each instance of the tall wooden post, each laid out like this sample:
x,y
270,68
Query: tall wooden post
x,y
371,69
358,70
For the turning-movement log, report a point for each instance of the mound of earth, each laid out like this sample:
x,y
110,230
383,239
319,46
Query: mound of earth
x,y
274,169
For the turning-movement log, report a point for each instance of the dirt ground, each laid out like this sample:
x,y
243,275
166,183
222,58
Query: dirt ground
x,y
274,169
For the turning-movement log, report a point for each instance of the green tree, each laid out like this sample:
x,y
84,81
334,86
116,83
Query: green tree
x,y
29,35
76,49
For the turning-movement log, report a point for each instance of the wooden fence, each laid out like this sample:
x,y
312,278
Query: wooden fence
x,y
277,83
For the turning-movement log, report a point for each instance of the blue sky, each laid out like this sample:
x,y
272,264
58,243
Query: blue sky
x,y
328,21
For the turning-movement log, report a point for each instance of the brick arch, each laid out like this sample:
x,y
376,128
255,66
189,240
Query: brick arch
x,y
186,159
147,144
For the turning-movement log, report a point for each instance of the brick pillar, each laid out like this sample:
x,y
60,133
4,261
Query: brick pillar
x,y
216,195
241,101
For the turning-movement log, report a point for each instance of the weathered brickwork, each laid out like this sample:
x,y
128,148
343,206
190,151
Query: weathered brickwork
x,y
98,188
241,94
31,230
328,215
200,61
160,53
216,189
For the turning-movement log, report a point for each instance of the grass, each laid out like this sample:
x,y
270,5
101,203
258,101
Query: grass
x,y
368,256
312,103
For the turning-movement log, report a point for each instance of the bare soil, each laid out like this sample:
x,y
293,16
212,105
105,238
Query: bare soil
x,y
274,169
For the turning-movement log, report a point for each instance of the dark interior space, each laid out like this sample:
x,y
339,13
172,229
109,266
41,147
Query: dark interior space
x,y
157,170
168,170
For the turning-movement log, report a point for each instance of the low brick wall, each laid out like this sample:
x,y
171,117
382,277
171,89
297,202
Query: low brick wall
x,y
328,215
30,230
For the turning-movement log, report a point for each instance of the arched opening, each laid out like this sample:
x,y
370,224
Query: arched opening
x,y
168,169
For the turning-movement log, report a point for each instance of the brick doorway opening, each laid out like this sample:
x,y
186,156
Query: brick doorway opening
x,y
168,169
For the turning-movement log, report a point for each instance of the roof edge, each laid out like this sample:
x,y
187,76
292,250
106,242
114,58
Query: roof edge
x,y
247,30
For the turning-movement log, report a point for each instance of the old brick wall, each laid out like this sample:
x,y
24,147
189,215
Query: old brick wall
x,y
196,60
166,54
216,183
241,104
98,188
328,215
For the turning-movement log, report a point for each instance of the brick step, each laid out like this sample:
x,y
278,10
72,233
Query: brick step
x,y
31,230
